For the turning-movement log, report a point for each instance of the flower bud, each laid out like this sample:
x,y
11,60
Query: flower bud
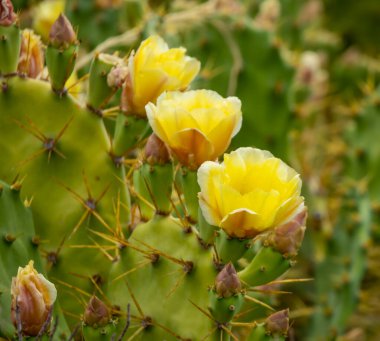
x,y
62,33
97,313
227,282
287,238
31,61
32,299
7,15
156,151
278,323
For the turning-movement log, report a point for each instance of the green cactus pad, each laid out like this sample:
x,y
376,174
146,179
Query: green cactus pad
x,y
60,154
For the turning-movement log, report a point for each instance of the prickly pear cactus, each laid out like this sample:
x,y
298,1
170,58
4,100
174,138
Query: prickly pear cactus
x,y
144,238
338,296
19,244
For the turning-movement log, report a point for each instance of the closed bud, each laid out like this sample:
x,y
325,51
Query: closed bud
x,y
156,151
31,61
7,15
278,323
227,283
287,238
97,313
62,33
32,299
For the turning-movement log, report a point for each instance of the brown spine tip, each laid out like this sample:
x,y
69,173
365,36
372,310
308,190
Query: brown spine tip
x,y
62,33
96,313
278,323
227,282
156,151
7,15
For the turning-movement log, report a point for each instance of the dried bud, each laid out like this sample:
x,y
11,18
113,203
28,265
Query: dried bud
x,y
31,61
227,283
96,313
156,151
278,323
127,94
32,299
117,76
62,33
287,238
7,15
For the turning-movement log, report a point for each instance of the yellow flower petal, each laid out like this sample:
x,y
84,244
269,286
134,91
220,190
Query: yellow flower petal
x,y
186,141
209,178
148,83
243,218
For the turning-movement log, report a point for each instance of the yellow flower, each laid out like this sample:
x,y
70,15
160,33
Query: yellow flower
x,y
250,192
33,295
45,14
154,69
31,61
196,125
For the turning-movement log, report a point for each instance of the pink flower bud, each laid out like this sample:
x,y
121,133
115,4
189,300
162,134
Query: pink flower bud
x,y
96,313
278,323
156,151
287,238
62,33
227,283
